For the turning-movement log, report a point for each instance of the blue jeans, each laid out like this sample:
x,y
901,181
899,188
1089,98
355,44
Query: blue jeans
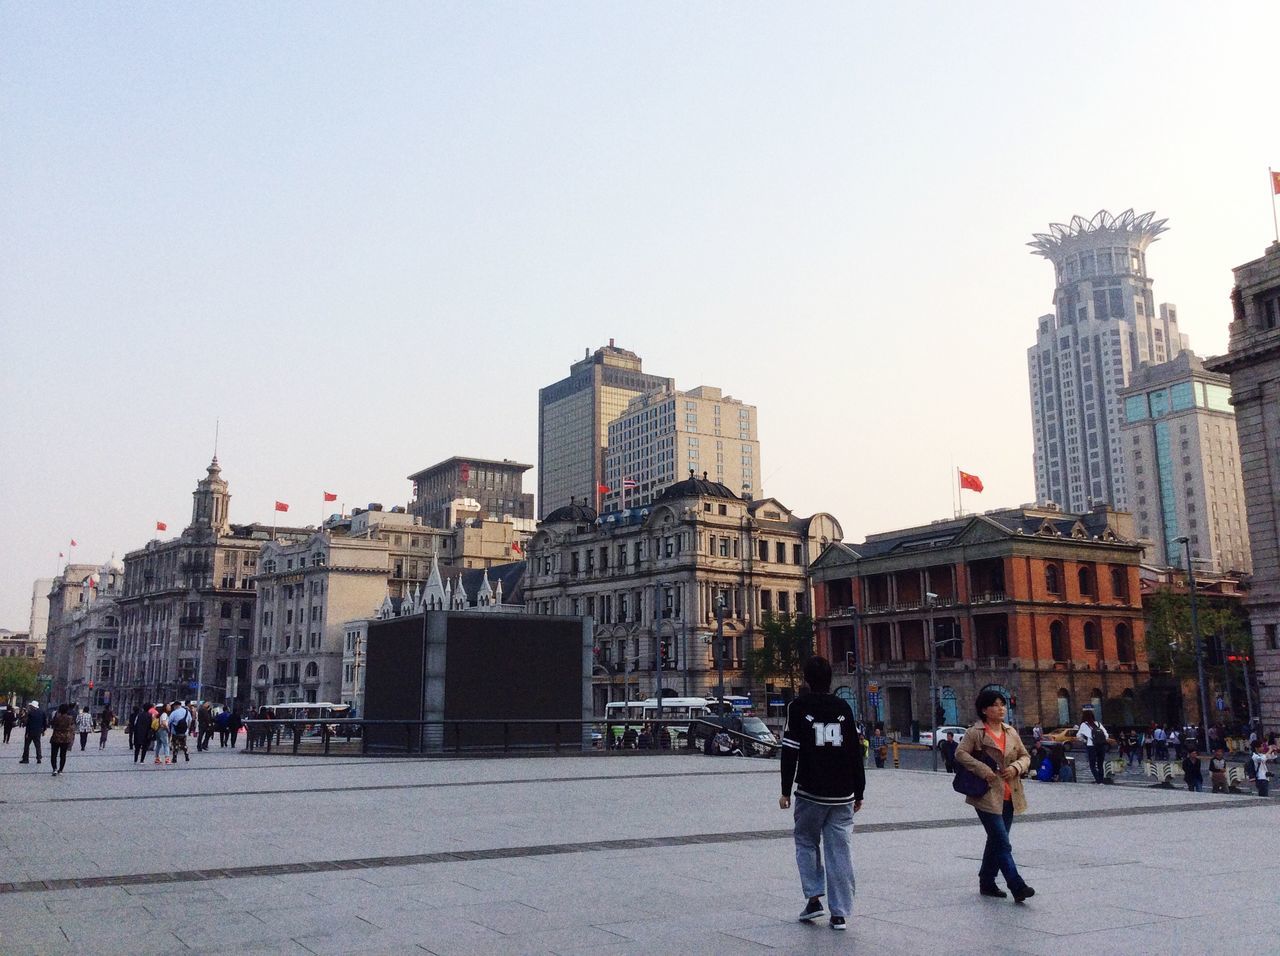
x,y
1096,756
823,832
997,856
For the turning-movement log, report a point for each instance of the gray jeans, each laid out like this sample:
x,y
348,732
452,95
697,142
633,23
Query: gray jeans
x,y
822,833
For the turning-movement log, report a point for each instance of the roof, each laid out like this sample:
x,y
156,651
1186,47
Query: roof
x,y
693,487
573,513
510,575
458,459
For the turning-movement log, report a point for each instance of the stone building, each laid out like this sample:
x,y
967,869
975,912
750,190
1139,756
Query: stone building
x,y
91,632
66,595
456,488
38,628
1253,362
1104,325
651,579
573,422
188,605
1043,605
663,434
1180,452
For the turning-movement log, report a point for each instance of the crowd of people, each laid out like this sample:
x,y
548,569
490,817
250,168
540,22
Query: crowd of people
x,y
162,729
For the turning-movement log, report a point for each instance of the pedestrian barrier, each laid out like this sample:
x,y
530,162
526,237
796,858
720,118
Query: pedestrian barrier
x,y
1162,770
1113,766
1235,774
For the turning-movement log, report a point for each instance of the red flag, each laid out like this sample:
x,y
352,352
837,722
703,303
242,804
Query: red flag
x,y
603,489
330,496
515,547
281,506
161,526
970,482
73,542
1275,182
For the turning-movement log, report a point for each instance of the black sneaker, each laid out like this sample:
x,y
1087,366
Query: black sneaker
x,y
813,910
837,922
1025,893
992,890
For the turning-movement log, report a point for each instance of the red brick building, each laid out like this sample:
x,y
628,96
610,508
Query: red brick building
x,y
1045,606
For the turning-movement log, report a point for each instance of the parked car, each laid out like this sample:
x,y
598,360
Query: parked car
x,y
756,728
926,736
1067,737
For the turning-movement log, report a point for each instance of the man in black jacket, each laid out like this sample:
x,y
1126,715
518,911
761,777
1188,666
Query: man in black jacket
x,y
37,721
822,754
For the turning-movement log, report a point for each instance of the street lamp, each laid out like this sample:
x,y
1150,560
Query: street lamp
x,y
720,609
930,598
1195,636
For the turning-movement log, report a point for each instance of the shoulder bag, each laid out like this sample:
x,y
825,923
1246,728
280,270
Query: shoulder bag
x,y
969,783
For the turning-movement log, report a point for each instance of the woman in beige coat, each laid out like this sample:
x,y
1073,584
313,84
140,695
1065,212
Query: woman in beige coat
x,y
1000,744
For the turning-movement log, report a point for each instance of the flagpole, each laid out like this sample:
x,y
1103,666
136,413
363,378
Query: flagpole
x,y
955,481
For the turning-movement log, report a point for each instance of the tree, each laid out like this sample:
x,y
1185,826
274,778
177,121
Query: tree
x,y
786,645
1171,641
18,677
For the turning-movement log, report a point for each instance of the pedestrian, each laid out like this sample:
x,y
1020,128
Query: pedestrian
x,y
140,733
879,745
237,721
1218,771
1135,747
1191,771
204,726
180,721
1094,736
128,727
160,727
63,736
948,748
1262,755
822,755
84,726
8,719
999,743
1159,743
1037,735
1175,745
223,722
106,720
35,725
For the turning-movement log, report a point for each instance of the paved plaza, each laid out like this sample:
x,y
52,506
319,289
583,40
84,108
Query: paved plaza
x,y
601,854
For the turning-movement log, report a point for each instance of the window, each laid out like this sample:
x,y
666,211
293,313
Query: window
x,y
1085,578
796,554
780,552
1052,582
764,550
1058,641
1091,636
1124,644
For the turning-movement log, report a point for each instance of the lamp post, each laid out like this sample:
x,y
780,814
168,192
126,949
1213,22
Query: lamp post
x,y
1195,636
659,615
930,598
720,609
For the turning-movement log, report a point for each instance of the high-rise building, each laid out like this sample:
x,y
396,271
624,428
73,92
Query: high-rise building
x,y
663,437
470,487
1253,363
1180,451
573,423
1104,326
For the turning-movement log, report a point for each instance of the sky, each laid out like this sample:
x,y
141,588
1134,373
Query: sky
x,y
361,237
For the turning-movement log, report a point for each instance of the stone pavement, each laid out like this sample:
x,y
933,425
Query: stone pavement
x,y
600,854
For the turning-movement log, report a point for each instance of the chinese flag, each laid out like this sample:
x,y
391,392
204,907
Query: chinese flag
x,y
73,542
330,496
1275,182
161,526
281,506
603,489
515,547
970,482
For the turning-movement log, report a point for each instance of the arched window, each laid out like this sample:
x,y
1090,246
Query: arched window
x,y
1058,641
1119,584
263,673
1051,581
313,670
1124,644
1086,581
1127,705
1091,637
947,700
1095,700
1064,707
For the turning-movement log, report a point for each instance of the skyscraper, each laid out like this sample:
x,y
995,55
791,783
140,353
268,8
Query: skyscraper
x,y
573,422
1104,326
1182,458
664,436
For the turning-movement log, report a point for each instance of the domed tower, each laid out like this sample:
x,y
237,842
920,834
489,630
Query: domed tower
x,y
111,578
210,509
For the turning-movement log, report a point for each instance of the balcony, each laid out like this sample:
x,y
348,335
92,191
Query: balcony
x,y
285,682
193,621
990,597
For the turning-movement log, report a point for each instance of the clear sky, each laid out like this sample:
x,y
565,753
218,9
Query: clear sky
x,y
364,235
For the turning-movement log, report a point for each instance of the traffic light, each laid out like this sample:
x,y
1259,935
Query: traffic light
x,y
1013,700
664,650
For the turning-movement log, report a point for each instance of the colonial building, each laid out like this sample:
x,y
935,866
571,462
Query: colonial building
x,y
470,487
1181,455
1043,605
652,578
1253,362
66,595
188,605
91,632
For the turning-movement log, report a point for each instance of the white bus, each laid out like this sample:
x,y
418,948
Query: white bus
x,y
634,714
731,703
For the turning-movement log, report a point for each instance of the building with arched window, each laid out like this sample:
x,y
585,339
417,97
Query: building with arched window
x,y
1043,605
